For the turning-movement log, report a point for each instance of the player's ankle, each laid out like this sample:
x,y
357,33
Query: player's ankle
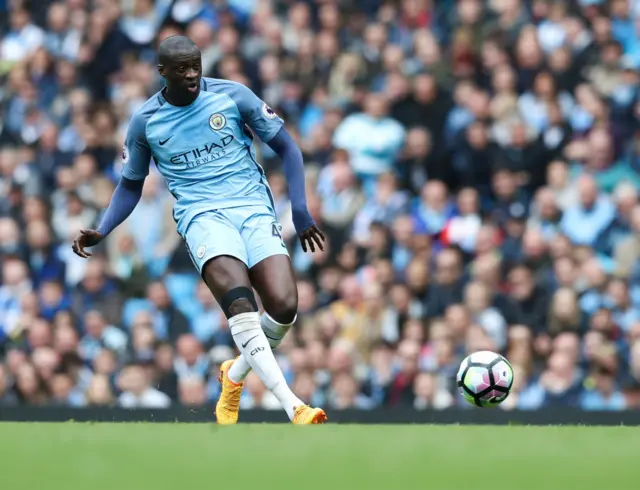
x,y
238,371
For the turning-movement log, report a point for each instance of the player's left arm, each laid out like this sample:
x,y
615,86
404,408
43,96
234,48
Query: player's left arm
x,y
287,149
270,128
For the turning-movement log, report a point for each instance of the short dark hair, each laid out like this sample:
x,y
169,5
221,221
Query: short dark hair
x,y
172,45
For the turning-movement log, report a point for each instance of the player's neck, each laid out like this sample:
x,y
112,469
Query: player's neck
x,y
179,99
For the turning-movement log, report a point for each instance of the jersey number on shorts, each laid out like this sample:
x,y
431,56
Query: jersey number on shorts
x,y
276,230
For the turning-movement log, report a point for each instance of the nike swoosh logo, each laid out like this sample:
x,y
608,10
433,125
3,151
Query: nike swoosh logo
x,y
247,342
163,142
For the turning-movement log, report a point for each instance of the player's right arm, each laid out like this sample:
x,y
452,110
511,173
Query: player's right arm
x,y
270,128
136,156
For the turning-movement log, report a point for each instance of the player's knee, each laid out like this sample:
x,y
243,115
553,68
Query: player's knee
x,y
239,300
239,306
284,309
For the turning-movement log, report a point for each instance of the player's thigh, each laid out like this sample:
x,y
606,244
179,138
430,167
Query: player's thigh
x,y
212,235
270,268
218,252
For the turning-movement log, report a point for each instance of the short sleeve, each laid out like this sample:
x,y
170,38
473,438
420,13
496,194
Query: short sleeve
x,y
256,113
136,154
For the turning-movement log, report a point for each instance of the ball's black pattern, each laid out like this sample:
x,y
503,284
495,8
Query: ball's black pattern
x,y
477,397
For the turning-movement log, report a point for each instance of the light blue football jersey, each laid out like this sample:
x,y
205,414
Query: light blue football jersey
x,y
204,150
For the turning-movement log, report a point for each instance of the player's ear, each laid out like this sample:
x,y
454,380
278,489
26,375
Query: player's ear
x,y
161,70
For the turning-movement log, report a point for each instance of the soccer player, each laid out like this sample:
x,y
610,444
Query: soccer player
x,y
196,130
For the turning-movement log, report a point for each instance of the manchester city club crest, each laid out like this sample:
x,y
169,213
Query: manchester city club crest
x,y
217,121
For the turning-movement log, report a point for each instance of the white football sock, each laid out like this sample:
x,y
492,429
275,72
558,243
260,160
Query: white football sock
x,y
254,347
274,331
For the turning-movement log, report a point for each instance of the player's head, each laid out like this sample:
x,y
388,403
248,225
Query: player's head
x,y
179,63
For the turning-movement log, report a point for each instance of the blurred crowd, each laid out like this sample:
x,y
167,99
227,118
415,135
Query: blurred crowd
x,y
475,165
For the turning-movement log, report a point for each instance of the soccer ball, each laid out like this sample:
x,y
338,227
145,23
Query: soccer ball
x,y
485,379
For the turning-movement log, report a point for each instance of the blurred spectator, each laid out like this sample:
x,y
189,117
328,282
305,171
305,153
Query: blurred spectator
x,y
7,396
43,258
168,322
338,187
448,286
531,300
510,201
429,395
143,337
127,263
257,396
384,206
372,138
190,359
105,363
29,387
99,392
99,334
208,324
149,226
344,394
627,251
166,377
97,292
401,387
434,208
475,166
583,222
62,393
604,394
360,314
624,314
24,37
558,385
15,283
625,198
462,230
53,299
192,391
477,297
137,391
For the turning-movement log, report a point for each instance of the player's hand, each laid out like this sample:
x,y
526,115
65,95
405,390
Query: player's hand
x,y
311,237
86,238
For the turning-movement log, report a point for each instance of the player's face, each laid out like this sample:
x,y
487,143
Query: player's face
x,y
183,73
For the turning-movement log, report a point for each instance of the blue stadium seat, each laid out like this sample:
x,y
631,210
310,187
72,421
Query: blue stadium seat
x,y
182,290
131,308
635,295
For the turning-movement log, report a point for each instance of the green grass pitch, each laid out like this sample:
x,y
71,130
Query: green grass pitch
x,y
78,456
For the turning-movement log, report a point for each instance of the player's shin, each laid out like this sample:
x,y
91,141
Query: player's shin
x,y
255,349
274,331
